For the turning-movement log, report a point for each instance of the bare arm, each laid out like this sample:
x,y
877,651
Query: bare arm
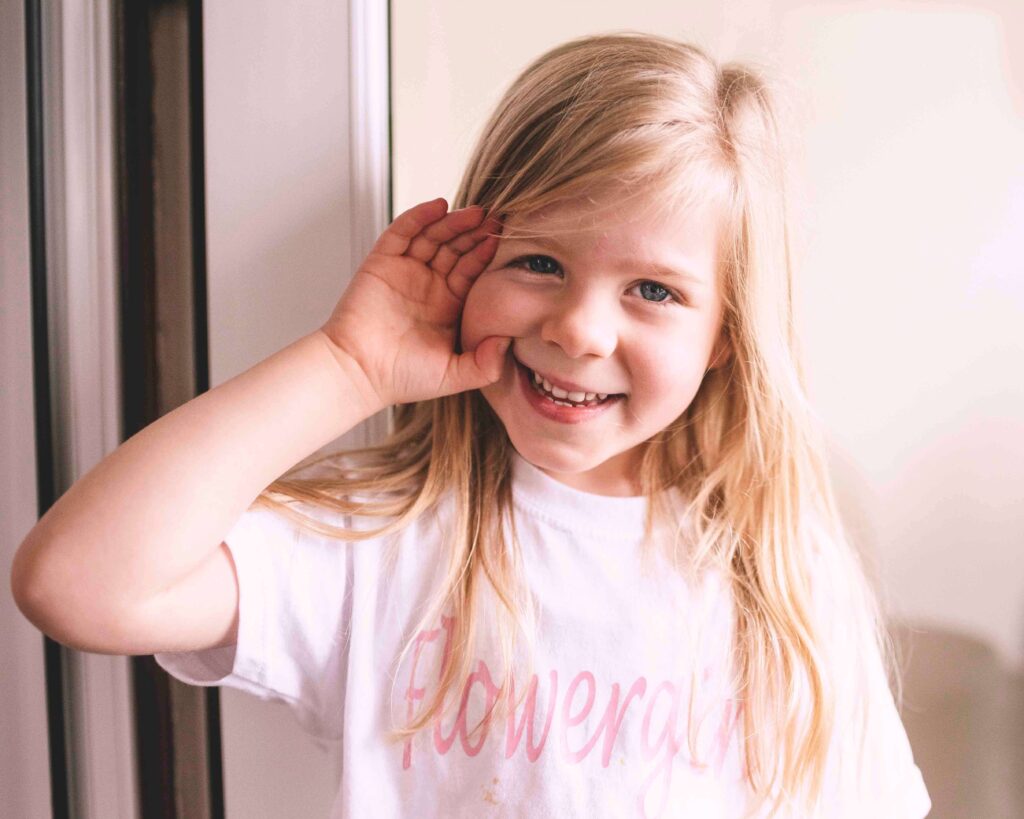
x,y
131,558
151,512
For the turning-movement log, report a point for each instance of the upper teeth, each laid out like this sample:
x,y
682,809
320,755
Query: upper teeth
x,y
558,392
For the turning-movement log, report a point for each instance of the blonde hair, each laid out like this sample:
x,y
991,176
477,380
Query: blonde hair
x,y
645,115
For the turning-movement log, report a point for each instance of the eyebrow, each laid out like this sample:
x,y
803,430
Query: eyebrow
x,y
654,268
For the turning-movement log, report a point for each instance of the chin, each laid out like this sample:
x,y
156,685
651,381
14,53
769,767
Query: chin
x,y
555,458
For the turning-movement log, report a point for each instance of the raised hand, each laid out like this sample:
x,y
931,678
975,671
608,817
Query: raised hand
x,y
397,319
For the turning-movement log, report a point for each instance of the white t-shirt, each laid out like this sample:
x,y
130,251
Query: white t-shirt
x,y
321,623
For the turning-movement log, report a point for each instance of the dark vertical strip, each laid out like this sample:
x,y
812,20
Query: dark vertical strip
x,y
200,324
197,136
46,483
154,735
135,203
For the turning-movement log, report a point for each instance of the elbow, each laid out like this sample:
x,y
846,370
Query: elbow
x,y
28,588
57,600
22,580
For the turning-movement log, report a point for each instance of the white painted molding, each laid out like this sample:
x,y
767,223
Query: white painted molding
x,y
82,255
370,144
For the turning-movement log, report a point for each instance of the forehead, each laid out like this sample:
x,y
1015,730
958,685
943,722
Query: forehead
x,y
623,225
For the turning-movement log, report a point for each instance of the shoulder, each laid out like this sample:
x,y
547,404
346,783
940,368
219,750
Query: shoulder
x,y
336,502
839,586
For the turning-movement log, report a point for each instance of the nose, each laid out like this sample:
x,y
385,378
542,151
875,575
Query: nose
x,y
582,325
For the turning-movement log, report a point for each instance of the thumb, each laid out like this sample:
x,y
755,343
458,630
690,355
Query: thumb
x,y
482,366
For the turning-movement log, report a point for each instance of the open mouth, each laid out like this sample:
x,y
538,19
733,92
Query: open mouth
x,y
562,397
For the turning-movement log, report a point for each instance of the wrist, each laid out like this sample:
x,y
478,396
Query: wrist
x,y
353,383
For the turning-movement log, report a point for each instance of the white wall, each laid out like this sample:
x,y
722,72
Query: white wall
x,y
909,170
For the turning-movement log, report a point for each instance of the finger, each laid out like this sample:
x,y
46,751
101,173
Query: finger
x,y
424,246
448,254
397,236
478,368
470,265
490,227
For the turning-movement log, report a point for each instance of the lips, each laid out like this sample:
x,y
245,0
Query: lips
x,y
553,409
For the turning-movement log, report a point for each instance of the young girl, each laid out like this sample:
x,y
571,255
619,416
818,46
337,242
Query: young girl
x,y
596,569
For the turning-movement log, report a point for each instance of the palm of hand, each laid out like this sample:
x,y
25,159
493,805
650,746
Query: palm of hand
x,y
398,317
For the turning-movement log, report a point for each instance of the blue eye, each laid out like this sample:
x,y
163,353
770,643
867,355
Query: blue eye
x,y
537,264
651,292
661,295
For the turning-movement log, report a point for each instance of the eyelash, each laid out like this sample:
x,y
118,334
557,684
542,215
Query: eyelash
x,y
523,262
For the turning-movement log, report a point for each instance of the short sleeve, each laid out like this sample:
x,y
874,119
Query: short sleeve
x,y
876,776
887,782
293,619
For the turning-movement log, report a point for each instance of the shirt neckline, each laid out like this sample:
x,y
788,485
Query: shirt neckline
x,y
573,509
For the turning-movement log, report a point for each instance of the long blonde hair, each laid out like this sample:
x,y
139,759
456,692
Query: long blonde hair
x,y
647,115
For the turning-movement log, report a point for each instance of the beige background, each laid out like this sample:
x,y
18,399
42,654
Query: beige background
x,y
907,125
909,162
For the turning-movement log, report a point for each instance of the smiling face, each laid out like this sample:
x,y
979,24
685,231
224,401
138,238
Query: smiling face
x,y
607,302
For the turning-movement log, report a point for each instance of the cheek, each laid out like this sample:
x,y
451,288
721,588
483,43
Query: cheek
x,y
490,310
473,329
668,384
